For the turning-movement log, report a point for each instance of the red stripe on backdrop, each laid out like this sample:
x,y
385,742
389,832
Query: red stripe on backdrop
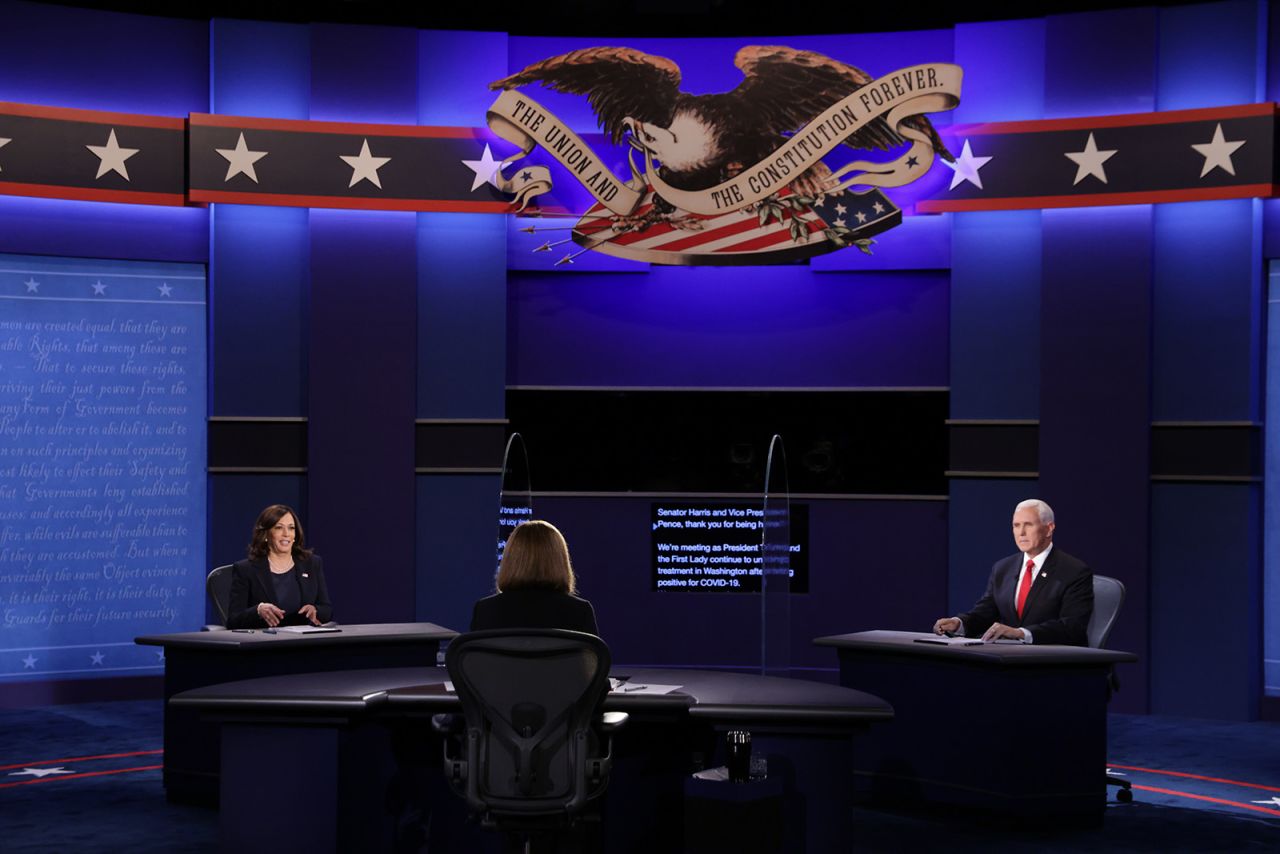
x,y
67,114
350,128
91,194
1129,120
350,202
1137,197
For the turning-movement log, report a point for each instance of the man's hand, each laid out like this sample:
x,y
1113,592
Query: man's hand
x,y
1000,630
309,611
270,614
947,625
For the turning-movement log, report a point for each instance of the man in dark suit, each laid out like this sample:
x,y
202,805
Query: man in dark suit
x,y
1040,595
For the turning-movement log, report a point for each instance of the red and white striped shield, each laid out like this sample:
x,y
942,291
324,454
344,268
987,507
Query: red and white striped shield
x,y
785,227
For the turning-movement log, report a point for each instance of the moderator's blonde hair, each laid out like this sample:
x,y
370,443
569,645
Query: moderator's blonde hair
x,y
536,555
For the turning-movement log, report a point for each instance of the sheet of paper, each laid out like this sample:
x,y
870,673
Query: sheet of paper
x,y
946,641
645,688
306,630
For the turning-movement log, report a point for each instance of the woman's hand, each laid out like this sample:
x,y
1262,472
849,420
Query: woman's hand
x,y
309,611
270,614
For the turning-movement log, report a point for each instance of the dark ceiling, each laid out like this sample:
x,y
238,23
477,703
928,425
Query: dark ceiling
x,y
615,18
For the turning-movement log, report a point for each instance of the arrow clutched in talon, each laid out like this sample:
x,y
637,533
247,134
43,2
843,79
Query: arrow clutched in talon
x,y
568,259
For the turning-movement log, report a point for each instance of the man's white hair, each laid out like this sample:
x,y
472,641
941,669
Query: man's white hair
x,y
1044,511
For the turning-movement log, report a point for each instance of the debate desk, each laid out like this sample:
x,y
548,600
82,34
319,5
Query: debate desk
x,y
362,743
1013,729
195,659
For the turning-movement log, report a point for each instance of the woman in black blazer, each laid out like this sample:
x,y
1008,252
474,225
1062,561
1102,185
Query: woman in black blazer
x,y
282,582
536,586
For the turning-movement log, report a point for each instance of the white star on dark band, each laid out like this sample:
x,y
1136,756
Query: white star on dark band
x,y
1089,162
96,658
485,170
966,168
240,160
99,289
1217,152
33,287
364,166
29,663
165,289
111,157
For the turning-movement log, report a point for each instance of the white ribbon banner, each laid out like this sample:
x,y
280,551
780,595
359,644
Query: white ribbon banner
x,y
899,95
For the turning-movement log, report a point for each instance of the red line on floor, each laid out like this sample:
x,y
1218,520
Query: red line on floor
x,y
57,777
1254,807
39,762
1198,777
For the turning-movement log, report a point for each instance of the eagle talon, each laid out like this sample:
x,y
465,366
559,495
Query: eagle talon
x,y
627,224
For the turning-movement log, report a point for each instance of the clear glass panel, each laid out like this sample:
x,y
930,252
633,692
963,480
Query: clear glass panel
x,y
775,564
515,501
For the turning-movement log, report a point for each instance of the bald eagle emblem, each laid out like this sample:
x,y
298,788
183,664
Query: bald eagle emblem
x,y
736,177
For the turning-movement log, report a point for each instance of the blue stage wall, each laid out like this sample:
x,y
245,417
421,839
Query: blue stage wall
x,y
708,327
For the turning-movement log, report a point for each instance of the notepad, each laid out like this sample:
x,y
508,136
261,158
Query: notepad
x,y
944,641
307,630
645,688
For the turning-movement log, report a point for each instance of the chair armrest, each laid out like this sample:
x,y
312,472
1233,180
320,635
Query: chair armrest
x,y
610,722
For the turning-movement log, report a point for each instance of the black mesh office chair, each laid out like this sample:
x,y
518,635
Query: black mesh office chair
x,y
525,758
218,586
1108,596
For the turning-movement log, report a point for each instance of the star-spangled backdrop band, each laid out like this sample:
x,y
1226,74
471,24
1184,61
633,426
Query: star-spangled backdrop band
x,y
1212,153
1200,154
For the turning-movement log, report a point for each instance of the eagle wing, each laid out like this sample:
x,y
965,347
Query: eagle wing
x,y
619,82
786,88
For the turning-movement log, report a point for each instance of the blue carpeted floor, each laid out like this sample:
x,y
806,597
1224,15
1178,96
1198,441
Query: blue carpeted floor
x,y
1199,786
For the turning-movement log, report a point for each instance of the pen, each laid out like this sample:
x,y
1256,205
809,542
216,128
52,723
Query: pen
x,y
246,631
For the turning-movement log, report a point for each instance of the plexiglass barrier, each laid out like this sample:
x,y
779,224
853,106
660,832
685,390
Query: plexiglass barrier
x,y
515,499
775,565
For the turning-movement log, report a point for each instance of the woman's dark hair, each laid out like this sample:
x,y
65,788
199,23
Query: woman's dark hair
x,y
536,555
260,542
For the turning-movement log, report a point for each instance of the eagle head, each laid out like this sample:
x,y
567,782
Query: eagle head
x,y
690,143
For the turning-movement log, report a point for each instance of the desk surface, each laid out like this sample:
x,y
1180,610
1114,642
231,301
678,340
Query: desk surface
x,y
993,654
703,694
257,640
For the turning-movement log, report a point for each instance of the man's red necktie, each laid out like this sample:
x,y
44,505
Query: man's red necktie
x,y
1024,586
